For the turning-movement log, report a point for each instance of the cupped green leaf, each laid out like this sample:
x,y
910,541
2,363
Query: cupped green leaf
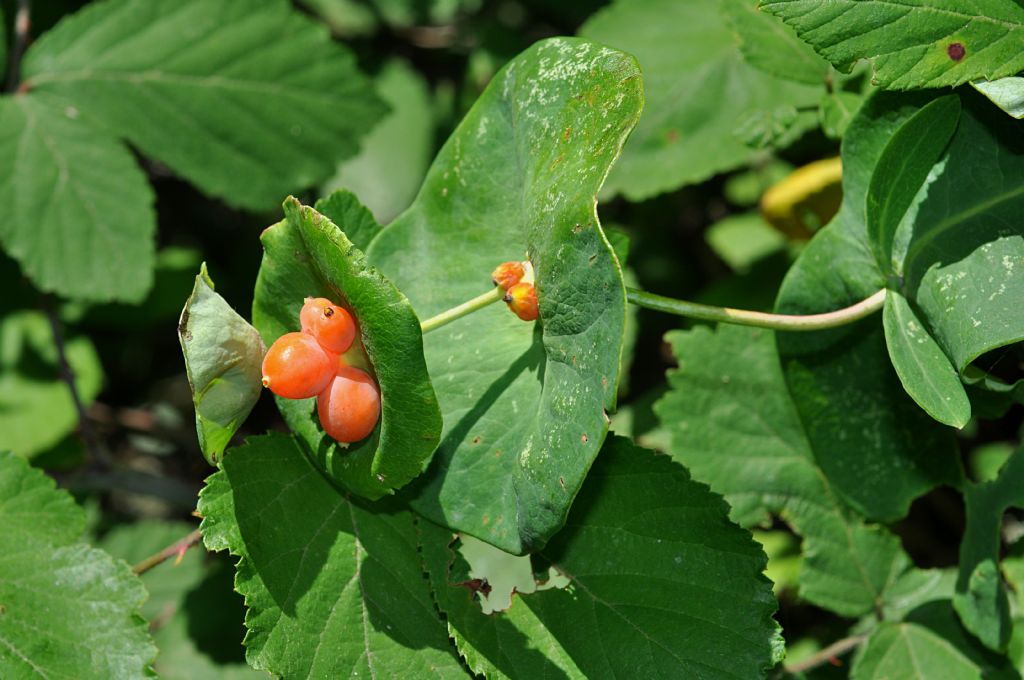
x,y
734,424
1006,93
78,212
913,43
248,99
911,652
662,585
223,355
36,407
66,610
308,255
925,371
523,403
332,589
698,89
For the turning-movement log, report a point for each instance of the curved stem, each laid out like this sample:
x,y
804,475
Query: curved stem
x,y
742,317
468,307
827,655
176,549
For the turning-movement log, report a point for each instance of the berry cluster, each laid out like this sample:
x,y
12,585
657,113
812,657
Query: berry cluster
x,y
311,363
516,279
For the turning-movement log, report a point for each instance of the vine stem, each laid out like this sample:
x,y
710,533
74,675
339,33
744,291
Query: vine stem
x,y
468,307
742,317
826,655
178,548
22,25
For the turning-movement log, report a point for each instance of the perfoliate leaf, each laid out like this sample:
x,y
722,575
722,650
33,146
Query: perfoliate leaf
x,y
223,355
68,610
307,255
523,403
78,212
248,99
332,589
1006,93
915,44
698,88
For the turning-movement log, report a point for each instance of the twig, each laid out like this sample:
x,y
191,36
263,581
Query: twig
x,y
22,25
176,549
826,655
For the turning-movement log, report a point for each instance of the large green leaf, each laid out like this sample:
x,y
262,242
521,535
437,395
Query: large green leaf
x,y
223,357
78,212
36,408
698,90
523,403
332,589
733,423
308,255
68,610
911,652
662,585
878,449
913,43
248,99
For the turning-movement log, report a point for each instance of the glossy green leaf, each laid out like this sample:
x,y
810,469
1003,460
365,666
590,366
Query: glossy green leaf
x,y
698,88
332,589
902,169
78,212
1006,93
308,255
911,652
639,522
772,46
247,99
916,43
962,260
66,610
388,171
878,449
733,423
223,358
523,403
36,408
921,365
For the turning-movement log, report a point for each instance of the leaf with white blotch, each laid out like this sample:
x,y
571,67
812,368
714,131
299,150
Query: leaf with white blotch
x,y
639,521
733,423
307,255
912,43
524,403
68,610
698,88
78,212
223,358
1006,93
248,99
332,588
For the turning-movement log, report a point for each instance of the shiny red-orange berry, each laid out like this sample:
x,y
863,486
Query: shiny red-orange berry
x,y
507,274
330,324
349,407
297,367
522,300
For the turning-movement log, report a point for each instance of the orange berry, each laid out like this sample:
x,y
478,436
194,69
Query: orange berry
x,y
350,406
522,300
330,324
297,367
507,274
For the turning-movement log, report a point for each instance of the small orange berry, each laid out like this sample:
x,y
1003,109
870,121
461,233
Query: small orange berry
x,y
330,324
522,300
349,407
297,367
507,274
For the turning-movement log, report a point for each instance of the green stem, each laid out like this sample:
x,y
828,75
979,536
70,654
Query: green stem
x,y
779,322
468,307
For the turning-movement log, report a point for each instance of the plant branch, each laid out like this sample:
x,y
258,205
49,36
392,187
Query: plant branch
x,y
742,317
468,307
178,548
22,25
826,655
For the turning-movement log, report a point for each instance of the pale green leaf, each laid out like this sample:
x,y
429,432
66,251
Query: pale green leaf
x,y
1006,93
78,212
223,358
907,651
248,99
913,43
772,46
